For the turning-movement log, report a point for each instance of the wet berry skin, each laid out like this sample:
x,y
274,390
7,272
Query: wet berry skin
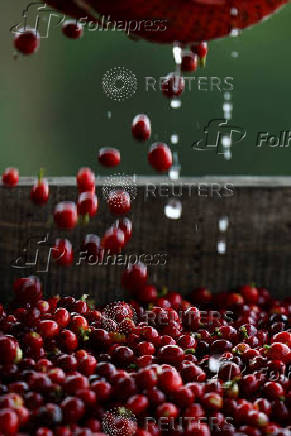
x,y
65,215
40,193
62,252
113,240
9,422
85,180
72,29
189,62
125,225
109,157
119,202
10,177
134,276
9,350
87,204
173,85
141,127
27,41
160,157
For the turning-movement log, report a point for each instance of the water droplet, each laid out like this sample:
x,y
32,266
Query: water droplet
x,y
227,107
226,141
235,54
234,12
176,103
227,154
221,247
177,53
173,209
227,96
174,138
234,33
109,114
223,223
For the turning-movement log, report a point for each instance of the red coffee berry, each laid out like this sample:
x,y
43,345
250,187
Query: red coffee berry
x,y
189,62
160,157
10,177
109,157
40,192
72,29
125,225
173,85
87,203
134,276
119,202
85,180
113,240
26,41
62,252
141,127
65,215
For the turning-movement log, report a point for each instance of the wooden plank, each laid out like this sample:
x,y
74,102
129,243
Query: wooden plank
x,y
257,241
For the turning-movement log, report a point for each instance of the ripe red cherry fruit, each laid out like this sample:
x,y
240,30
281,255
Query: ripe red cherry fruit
x,y
113,240
137,404
73,409
26,41
279,351
125,225
27,290
141,127
169,380
91,246
9,422
147,293
250,294
85,180
109,157
10,177
173,85
72,29
134,276
189,62
48,328
65,215
160,157
40,192
62,252
87,204
201,50
9,350
119,202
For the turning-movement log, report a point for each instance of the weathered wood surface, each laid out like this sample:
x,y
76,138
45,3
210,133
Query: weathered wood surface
x,y
258,239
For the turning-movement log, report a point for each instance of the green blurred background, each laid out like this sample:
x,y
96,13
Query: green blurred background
x,y
54,113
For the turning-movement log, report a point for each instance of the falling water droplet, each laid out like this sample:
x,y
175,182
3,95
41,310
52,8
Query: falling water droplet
x,y
235,54
177,53
176,103
234,12
234,33
173,209
174,138
223,223
174,171
221,246
109,115
227,154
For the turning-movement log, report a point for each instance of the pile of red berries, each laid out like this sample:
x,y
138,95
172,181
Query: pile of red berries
x,y
214,364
